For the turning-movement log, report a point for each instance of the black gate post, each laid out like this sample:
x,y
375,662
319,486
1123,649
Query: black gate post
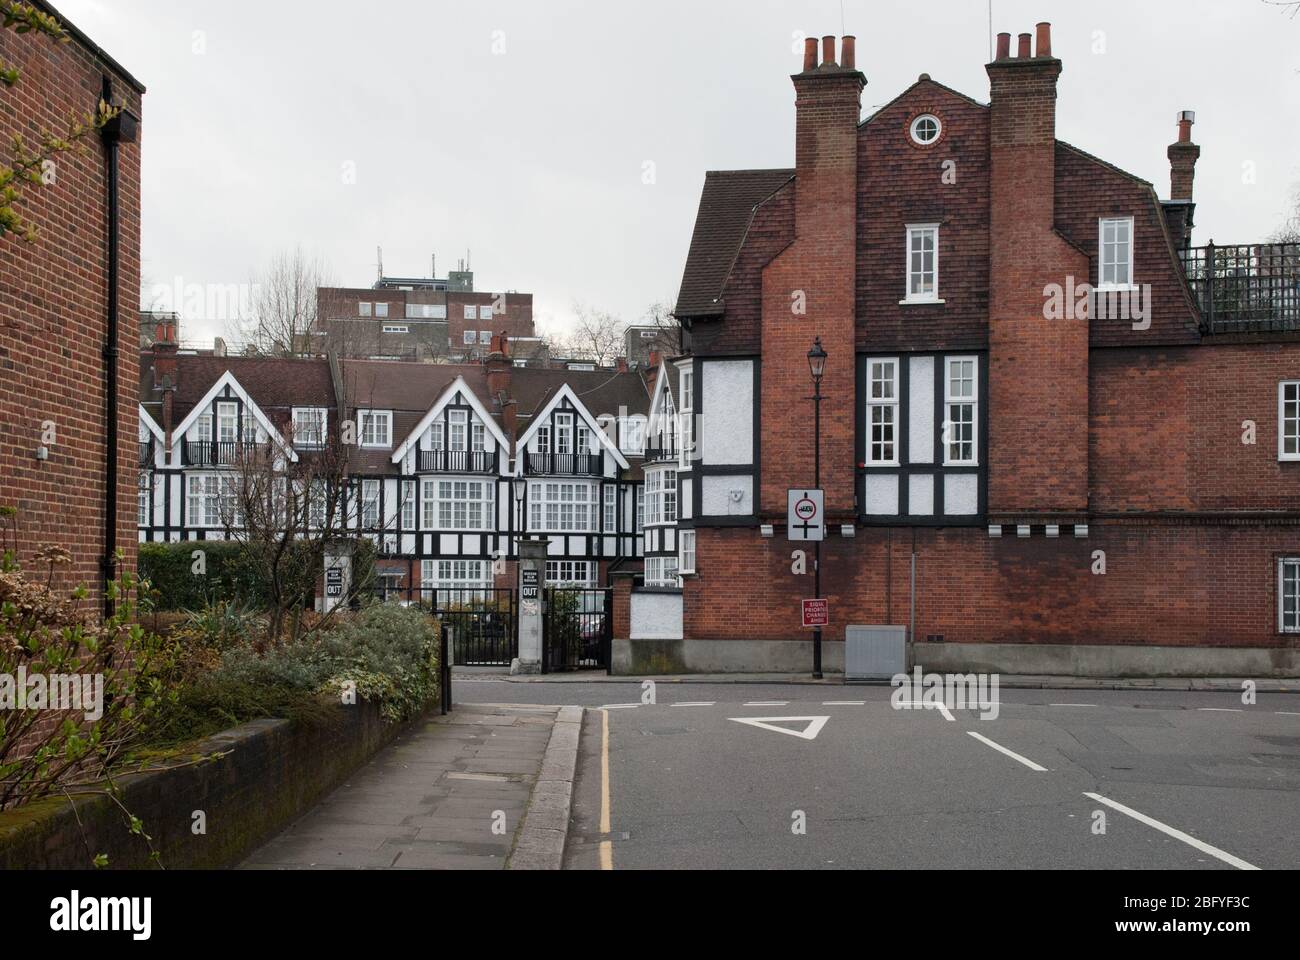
x,y
608,640
546,630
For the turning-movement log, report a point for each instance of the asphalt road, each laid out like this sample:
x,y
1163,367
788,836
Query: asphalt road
x,y
1059,780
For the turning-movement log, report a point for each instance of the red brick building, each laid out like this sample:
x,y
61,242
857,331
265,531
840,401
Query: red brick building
x,y
68,326
1081,432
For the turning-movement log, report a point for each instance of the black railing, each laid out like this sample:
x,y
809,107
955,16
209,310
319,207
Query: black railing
x,y
483,619
458,461
1246,289
578,630
221,453
662,453
146,452
567,464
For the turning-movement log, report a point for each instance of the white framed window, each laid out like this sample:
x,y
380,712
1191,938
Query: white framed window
x,y
926,129
1288,595
661,497
309,426
396,328
586,440
961,412
459,575
364,309
317,515
409,501
471,337
640,510
435,435
661,572
544,439
686,551
485,336
203,428
485,312
459,504
571,573
457,423
426,311
922,263
471,313
376,428
1288,420
381,310
563,433
227,422
882,411
1115,249
144,500
687,417
634,436
611,509
563,507
211,499
369,504
477,437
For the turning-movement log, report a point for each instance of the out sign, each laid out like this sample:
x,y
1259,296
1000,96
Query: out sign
x,y
807,515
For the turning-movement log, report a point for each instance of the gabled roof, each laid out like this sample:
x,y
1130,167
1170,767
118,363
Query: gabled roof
x,y
228,380
566,392
727,208
458,386
275,383
152,425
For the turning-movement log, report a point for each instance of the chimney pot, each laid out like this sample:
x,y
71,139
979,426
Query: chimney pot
x,y
1004,46
849,53
1185,121
810,55
828,51
1043,44
1024,52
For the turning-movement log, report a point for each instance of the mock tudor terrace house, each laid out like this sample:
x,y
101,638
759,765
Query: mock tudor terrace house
x,y
1056,436
431,473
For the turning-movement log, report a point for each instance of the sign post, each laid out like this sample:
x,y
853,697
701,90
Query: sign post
x,y
807,524
816,613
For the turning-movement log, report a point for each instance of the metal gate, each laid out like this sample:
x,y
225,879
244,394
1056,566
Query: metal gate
x,y
578,629
483,622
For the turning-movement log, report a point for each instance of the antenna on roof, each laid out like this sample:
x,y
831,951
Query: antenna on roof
x,y
433,266
381,262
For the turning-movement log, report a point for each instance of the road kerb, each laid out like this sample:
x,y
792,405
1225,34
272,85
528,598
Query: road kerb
x,y
541,839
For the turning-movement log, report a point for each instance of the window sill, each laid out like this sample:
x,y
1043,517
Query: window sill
x,y
922,303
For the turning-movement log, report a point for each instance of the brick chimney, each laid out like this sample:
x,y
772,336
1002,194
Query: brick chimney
x,y
819,271
652,371
1038,368
499,367
1182,159
166,372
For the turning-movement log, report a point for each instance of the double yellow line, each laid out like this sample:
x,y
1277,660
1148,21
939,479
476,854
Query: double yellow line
x,y
606,846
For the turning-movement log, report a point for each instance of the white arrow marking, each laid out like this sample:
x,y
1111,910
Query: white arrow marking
x,y
814,727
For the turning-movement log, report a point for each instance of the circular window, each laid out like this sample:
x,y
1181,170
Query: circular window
x,y
926,129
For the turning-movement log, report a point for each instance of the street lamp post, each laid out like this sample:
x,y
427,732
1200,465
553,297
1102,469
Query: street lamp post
x,y
817,365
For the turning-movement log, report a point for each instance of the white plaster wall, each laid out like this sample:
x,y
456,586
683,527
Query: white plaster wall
x,y
921,411
727,427
882,496
716,501
921,495
961,496
656,616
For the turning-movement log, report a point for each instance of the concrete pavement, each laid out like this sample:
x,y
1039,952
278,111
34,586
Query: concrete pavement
x,y
466,791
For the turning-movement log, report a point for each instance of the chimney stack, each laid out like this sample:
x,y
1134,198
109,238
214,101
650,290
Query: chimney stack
x,y
499,368
1038,369
1182,159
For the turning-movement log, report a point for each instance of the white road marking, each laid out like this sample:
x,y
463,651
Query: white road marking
x,y
1176,834
769,703
1072,704
844,703
710,704
1010,753
1287,713
815,725
942,708
620,706
1217,710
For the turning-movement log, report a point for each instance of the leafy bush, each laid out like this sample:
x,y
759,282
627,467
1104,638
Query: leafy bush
x,y
385,654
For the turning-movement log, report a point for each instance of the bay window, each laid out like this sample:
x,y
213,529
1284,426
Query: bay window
x,y
563,507
458,504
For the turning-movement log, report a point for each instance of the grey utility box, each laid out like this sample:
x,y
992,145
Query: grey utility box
x,y
875,653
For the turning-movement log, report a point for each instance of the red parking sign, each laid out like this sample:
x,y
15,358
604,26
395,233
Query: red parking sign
x,y
816,613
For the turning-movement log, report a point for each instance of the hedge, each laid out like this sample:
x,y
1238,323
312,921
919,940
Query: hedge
x,y
228,576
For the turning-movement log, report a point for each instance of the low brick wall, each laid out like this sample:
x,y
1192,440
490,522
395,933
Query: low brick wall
x,y
274,771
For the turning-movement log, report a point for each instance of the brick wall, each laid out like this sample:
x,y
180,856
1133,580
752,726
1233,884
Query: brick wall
x,y
53,308
1166,583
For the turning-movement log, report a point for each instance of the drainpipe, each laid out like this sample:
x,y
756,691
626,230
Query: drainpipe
x,y
121,129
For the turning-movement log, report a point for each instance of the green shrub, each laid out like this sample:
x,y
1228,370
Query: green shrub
x,y
227,577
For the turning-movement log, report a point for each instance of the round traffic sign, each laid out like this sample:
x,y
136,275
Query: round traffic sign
x,y
805,510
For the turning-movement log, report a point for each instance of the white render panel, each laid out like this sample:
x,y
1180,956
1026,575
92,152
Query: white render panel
x,y
716,495
656,616
686,500
920,427
882,496
447,545
727,424
961,495
920,491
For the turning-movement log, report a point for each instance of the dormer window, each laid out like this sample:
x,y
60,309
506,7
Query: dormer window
x,y
376,428
1116,249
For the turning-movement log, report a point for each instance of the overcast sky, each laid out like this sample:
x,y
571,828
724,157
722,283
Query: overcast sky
x,y
564,143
